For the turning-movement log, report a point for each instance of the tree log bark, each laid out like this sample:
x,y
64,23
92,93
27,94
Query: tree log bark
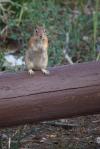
x,y
69,90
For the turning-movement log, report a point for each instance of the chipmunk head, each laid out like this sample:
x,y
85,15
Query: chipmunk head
x,y
39,32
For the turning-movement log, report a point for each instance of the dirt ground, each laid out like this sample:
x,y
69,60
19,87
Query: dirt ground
x,y
75,133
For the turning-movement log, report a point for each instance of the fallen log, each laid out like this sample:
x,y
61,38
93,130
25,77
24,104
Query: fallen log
x,y
69,90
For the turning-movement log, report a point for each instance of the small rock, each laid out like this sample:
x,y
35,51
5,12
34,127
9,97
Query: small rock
x,y
98,140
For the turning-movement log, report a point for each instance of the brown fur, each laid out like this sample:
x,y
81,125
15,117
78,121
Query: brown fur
x,y
36,57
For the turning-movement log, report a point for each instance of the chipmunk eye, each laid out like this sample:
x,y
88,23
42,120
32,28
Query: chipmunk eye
x,y
36,31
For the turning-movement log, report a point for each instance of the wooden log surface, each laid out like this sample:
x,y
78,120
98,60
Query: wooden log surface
x,y
69,90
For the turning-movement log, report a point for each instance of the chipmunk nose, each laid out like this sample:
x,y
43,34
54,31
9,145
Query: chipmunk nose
x,y
40,36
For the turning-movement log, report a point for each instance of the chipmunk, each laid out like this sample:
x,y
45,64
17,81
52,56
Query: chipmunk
x,y
36,57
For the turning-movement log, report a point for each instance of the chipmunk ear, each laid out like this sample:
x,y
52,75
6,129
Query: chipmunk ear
x,y
43,25
44,28
36,27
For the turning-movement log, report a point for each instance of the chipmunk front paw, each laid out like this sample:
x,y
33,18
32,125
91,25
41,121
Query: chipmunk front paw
x,y
46,72
31,72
